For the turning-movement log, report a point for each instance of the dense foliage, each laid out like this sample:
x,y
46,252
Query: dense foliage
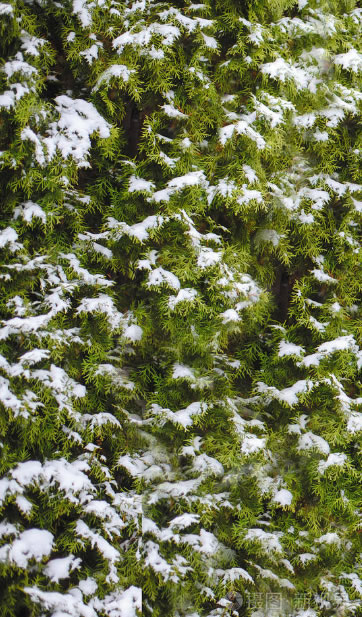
x,y
180,308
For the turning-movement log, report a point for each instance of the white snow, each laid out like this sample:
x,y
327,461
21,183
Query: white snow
x,y
29,210
193,178
224,187
65,476
283,70
107,551
335,307
342,343
250,174
209,41
187,294
268,235
84,275
305,121
61,604
172,112
186,143
252,443
58,569
135,467
321,136
30,44
71,133
92,421
7,99
18,65
133,333
329,538
357,204
99,248
206,465
306,557
146,264
160,276
289,349
163,194
102,304
182,416
180,371
136,184
81,10
269,541
243,127
117,375
6,9
88,586
156,561
206,542
143,37
352,60
8,237
119,71
354,424
208,257
310,441
34,356
111,520
230,315
283,497
355,581
318,325
322,276
184,520
311,360
59,381
140,230
337,187
170,162
31,544
8,398
249,195
24,505
234,574
334,459
121,603
287,395
306,219
7,529
91,53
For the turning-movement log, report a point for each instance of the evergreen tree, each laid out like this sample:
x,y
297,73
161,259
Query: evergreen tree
x,y
180,308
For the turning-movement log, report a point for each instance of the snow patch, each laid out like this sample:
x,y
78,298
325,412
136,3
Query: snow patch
x,y
71,133
289,349
160,276
31,544
119,71
351,61
136,184
187,294
335,459
283,497
58,569
29,210
310,441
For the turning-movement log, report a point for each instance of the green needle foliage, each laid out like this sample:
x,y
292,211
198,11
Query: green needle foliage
x,y
180,274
